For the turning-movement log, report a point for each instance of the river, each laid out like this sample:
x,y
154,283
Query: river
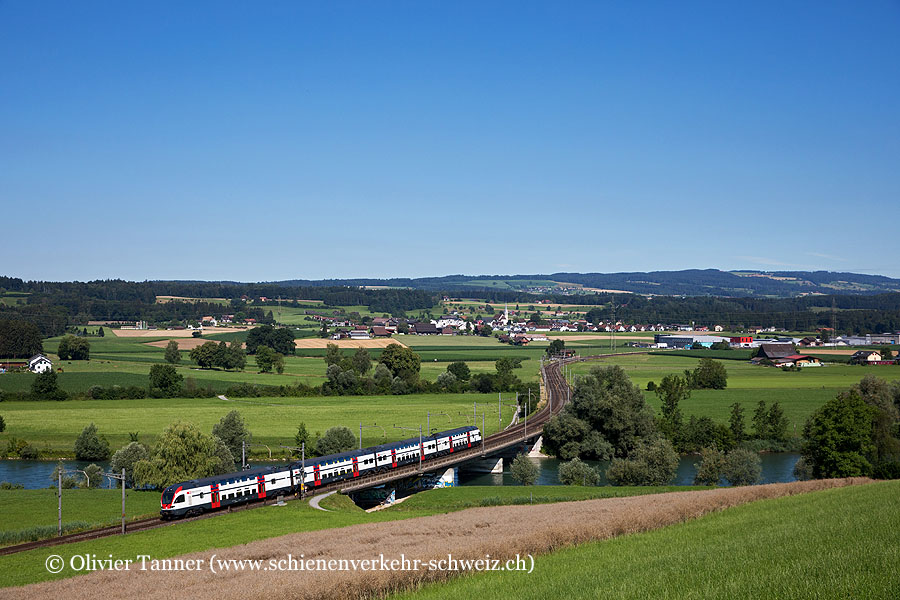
x,y
777,467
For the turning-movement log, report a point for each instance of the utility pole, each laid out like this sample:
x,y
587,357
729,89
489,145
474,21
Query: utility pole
x,y
59,507
243,455
120,477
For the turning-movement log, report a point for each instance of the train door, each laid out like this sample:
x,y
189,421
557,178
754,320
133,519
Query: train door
x,y
394,457
421,451
355,467
317,477
214,496
469,439
261,481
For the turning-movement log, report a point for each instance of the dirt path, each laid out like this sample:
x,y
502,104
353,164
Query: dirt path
x,y
501,532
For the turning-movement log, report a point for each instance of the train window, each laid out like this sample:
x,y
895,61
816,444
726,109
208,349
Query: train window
x,y
179,499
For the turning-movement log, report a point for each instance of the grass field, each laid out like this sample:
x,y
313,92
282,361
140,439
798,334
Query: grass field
x,y
799,392
53,426
827,544
243,527
35,511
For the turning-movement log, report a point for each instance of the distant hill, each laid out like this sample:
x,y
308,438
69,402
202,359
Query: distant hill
x,y
690,282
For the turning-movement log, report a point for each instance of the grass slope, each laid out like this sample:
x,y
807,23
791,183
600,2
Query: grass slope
x,y
242,527
829,544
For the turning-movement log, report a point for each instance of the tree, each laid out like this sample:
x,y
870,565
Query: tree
x,y
100,332
46,387
447,381
66,481
556,347
20,339
761,421
840,438
576,472
709,374
232,430
402,362
302,439
94,475
182,453
126,457
335,441
173,353
206,356
2,424
265,359
278,363
777,423
333,354
742,467
74,348
709,470
90,445
460,370
166,379
886,353
280,339
671,391
736,423
652,463
607,416
361,361
323,333
382,378
524,470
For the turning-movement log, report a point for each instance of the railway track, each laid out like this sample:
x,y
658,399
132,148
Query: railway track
x,y
558,392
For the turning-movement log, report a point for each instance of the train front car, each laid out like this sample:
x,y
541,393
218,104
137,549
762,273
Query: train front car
x,y
173,503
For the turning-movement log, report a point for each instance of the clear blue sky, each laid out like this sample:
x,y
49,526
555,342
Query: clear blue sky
x,y
262,141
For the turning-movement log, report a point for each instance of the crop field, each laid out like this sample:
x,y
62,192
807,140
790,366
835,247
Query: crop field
x,y
827,544
799,392
54,426
501,532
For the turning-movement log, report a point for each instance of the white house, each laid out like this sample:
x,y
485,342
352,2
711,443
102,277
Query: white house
x,y
39,364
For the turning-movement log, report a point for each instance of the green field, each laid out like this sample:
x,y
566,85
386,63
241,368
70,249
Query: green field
x,y
35,511
53,426
799,392
246,526
829,544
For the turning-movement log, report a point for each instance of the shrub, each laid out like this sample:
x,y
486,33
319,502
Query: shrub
x,y
576,472
90,446
29,452
651,463
524,470
742,467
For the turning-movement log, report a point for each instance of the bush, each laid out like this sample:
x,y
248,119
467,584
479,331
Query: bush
x,y
709,470
126,457
90,446
5,485
576,472
29,452
651,463
524,470
336,440
742,467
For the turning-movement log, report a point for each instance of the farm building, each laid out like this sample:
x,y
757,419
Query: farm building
x,y
360,334
39,364
861,357
685,341
775,351
424,329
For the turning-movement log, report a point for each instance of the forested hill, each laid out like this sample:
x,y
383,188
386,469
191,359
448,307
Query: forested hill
x,y
691,282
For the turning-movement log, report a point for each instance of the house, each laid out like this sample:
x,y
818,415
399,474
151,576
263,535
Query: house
x,y
424,329
802,360
360,334
448,331
809,341
718,328
861,357
379,331
775,351
39,364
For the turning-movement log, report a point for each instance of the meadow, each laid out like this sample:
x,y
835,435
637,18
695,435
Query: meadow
x,y
32,514
53,426
799,392
826,544
246,526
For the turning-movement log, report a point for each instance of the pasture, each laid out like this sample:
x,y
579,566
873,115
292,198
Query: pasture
x,y
54,426
799,392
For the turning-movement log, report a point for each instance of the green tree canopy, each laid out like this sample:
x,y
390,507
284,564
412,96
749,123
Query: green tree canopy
x,y
166,379
335,441
576,472
460,370
173,353
839,438
402,362
19,339
183,452
126,457
361,361
74,348
232,430
524,470
653,462
90,445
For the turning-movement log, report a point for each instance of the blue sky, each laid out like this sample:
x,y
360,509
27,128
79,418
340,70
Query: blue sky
x,y
277,140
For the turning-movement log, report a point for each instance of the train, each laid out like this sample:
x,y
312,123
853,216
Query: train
x,y
197,496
